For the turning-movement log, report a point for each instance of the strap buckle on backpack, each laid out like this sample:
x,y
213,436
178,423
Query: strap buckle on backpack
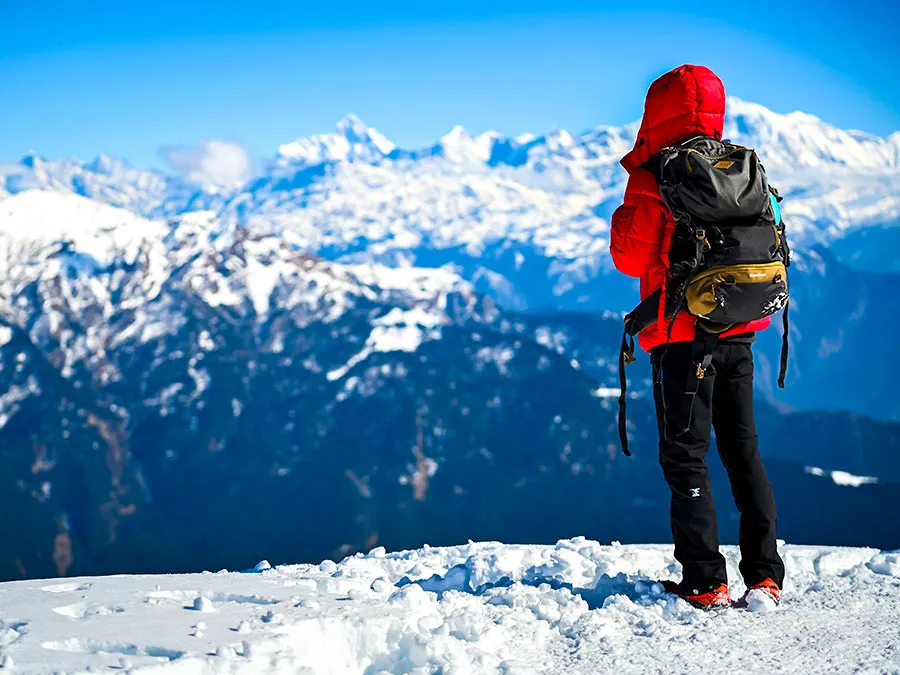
x,y
628,348
702,349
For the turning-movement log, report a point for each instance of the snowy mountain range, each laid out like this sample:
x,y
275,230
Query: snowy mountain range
x,y
462,190
525,220
426,338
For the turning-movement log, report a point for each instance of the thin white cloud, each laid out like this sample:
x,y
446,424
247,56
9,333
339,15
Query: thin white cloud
x,y
212,162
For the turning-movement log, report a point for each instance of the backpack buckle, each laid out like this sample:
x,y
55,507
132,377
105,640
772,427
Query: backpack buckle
x,y
700,235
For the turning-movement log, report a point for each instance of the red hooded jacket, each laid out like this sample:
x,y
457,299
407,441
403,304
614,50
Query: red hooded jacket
x,y
685,102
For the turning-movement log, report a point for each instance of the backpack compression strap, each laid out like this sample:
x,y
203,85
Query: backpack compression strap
x,y
645,314
782,371
626,356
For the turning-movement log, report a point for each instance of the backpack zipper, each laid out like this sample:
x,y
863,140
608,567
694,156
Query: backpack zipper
x,y
727,154
747,267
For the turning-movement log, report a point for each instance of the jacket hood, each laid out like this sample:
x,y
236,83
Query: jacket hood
x,y
687,101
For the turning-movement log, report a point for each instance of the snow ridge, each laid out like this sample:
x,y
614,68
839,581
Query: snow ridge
x,y
553,192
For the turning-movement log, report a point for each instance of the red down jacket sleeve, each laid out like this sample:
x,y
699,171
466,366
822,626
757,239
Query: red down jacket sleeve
x,y
638,226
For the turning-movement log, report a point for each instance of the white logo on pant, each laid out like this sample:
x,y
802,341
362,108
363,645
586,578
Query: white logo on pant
x,y
695,492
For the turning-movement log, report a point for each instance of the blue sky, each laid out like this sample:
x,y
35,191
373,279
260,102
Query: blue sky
x,y
81,78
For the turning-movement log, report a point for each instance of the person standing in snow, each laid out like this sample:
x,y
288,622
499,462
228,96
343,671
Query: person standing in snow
x,y
690,396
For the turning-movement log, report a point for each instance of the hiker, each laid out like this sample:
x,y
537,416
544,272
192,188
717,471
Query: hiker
x,y
702,358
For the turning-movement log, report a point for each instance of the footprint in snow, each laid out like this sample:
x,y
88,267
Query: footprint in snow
x,y
66,588
80,610
189,597
79,646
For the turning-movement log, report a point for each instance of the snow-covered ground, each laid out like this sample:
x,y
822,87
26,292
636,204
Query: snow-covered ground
x,y
576,607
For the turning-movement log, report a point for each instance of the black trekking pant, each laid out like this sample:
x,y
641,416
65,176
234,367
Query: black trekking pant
x,y
686,407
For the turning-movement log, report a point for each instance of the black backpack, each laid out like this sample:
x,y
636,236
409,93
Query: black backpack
x,y
729,254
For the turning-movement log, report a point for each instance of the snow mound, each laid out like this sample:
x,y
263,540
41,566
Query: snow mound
x,y
576,607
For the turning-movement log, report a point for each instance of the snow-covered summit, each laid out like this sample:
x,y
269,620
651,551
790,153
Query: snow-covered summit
x,y
576,607
353,141
800,140
41,216
789,140
460,146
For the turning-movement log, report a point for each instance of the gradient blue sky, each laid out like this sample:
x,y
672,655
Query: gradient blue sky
x,y
81,78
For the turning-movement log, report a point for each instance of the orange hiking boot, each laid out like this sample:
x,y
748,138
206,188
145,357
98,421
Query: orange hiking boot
x,y
714,598
766,586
